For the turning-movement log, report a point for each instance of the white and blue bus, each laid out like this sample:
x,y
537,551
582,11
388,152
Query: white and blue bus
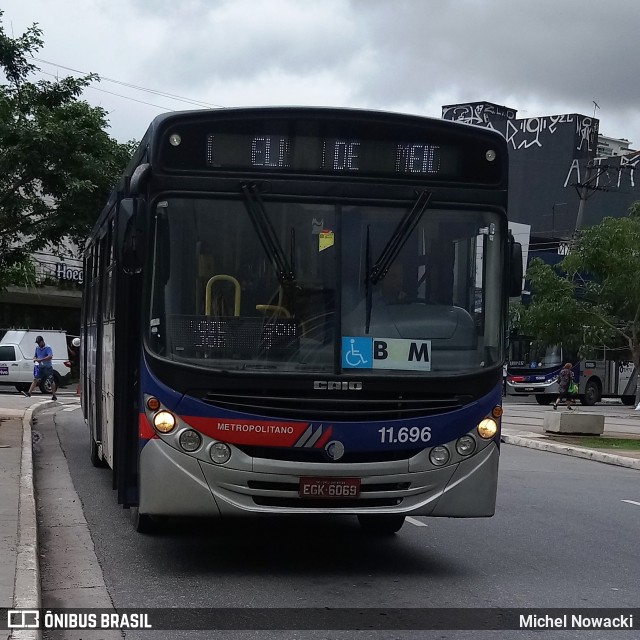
x,y
533,369
301,310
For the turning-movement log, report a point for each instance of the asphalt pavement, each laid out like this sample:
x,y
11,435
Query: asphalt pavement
x,y
522,425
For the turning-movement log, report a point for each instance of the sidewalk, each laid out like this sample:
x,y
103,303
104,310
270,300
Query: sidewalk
x,y
522,425
19,567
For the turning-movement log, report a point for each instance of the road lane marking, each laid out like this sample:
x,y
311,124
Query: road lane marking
x,y
417,523
632,502
72,408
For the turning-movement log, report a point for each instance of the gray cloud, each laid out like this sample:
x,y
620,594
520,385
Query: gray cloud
x,y
539,57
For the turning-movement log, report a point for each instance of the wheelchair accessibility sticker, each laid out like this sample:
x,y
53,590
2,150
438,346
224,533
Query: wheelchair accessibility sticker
x,y
386,353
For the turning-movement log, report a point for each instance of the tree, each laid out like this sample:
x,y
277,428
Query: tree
x,y
57,163
592,298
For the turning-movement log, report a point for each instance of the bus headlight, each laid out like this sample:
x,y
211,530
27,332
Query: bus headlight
x,y
190,440
439,456
487,428
220,452
164,421
465,445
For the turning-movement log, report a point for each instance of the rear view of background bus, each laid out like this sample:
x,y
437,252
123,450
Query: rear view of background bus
x,y
301,311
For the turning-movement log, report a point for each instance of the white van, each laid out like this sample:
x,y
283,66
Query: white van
x,y
17,348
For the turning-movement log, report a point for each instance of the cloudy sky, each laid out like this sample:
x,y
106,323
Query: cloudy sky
x,y
540,57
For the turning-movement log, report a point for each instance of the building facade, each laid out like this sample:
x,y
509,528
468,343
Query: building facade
x,y
555,163
50,298
611,147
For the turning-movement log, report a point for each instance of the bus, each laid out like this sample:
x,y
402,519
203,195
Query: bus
x,y
301,311
533,369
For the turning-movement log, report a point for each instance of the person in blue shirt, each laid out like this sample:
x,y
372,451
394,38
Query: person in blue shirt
x,y
43,357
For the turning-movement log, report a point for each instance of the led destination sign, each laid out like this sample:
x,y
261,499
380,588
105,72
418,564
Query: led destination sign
x,y
343,155
358,147
305,153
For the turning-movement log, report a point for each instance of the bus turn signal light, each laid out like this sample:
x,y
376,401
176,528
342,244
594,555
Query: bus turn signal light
x,y
496,412
153,404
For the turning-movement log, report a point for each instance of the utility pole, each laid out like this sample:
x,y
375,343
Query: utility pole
x,y
588,187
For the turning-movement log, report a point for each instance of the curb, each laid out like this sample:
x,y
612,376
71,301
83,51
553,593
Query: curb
x,y
27,593
568,450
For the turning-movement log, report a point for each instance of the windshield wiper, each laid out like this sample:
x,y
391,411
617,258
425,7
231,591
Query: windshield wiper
x,y
267,235
391,250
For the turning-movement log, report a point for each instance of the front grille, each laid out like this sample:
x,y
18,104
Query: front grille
x,y
264,501
292,486
299,454
329,407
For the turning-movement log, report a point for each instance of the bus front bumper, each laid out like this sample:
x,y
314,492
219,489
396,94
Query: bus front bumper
x,y
523,388
173,483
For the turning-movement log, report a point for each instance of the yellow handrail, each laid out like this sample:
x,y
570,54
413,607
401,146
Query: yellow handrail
x,y
275,309
236,297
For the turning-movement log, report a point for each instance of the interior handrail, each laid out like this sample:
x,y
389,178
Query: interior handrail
x,y
236,297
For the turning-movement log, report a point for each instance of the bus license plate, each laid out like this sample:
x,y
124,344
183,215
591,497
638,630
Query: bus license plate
x,y
528,389
329,488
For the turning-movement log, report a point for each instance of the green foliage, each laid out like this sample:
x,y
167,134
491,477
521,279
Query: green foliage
x,y
593,297
20,273
57,163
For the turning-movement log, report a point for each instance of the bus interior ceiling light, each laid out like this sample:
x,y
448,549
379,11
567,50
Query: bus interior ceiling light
x,y
164,421
490,155
439,456
175,139
487,428
220,452
190,440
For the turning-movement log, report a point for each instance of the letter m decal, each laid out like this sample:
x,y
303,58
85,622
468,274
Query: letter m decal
x,y
419,351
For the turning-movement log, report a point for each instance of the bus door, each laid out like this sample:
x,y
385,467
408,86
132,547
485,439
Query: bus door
x,y
619,376
126,359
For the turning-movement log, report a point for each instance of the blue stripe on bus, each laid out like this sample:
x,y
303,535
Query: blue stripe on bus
x,y
357,435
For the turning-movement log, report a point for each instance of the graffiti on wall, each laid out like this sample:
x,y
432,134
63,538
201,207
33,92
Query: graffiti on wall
x,y
522,134
479,113
527,132
604,173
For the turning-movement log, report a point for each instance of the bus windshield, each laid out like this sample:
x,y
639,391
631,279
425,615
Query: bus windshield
x,y
531,354
284,285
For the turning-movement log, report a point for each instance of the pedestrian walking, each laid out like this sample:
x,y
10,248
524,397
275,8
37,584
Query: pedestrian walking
x,y
504,380
565,381
43,357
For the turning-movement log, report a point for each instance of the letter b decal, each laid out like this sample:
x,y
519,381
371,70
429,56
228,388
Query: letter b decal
x,y
380,350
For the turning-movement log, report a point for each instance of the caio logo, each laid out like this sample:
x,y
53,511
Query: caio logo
x,y
334,385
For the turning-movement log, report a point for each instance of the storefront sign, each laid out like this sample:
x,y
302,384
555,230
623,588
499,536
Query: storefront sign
x,y
66,272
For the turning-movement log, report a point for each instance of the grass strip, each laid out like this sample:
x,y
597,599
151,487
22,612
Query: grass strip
x,y
590,442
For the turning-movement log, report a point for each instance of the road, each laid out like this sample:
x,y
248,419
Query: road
x,y
565,535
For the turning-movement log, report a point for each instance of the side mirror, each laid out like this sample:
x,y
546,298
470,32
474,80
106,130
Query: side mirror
x,y
130,244
514,281
139,179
